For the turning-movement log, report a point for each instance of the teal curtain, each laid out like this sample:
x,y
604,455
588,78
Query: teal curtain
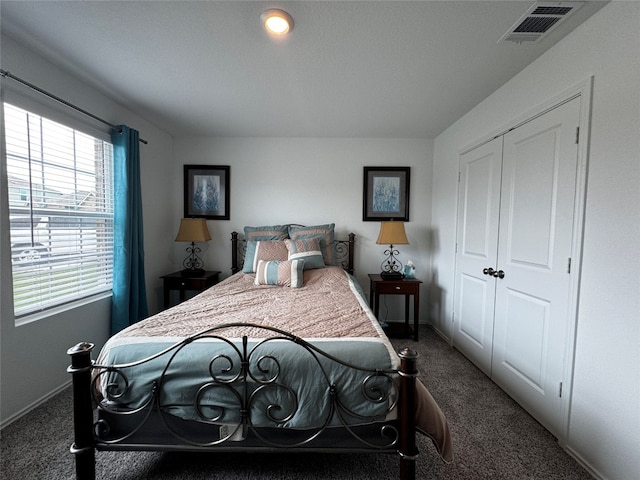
x,y
129,299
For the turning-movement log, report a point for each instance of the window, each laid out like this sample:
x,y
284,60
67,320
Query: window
x,y
60,184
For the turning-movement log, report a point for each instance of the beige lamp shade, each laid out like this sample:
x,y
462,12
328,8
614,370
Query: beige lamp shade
x,y
392,233
193,230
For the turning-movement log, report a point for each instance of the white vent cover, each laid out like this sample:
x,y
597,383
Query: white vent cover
x,y
540,19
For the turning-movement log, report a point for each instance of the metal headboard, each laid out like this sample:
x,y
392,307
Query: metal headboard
x,y
343,249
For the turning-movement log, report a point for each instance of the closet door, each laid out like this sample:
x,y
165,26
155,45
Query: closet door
x,y
476,250
535,238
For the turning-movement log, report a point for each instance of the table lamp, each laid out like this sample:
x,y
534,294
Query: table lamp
x,y
193,230
391,233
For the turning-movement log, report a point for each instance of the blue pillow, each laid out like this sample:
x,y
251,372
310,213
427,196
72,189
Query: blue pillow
x,y
307,249
326,235
266,232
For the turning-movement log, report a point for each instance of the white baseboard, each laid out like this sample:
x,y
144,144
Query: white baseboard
x,y
584,464
8,421
440,333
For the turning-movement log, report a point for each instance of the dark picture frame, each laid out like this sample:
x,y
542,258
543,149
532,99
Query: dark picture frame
x,y
386,194
206,191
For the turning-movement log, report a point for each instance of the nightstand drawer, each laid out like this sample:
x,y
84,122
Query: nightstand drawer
x,y
189,283
397,287
182,283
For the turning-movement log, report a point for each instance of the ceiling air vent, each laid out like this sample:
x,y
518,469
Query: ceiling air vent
x,y
540,19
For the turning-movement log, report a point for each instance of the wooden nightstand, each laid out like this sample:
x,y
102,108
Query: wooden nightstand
x,y
403,286
198,283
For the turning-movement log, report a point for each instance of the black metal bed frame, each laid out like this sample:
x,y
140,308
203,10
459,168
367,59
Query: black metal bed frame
x,y
342,248
243,373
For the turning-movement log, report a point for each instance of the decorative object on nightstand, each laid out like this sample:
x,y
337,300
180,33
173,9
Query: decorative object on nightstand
x,y
409,270
193,230
391,233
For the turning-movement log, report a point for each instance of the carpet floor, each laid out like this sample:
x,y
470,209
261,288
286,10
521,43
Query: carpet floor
x,y
493,438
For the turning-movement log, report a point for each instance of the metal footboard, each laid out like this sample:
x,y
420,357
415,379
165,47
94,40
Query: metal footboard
x,y
248,380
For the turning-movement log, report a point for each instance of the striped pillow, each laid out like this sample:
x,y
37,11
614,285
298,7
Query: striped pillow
x,y
266,232
307,249
286,273
326,235
263,250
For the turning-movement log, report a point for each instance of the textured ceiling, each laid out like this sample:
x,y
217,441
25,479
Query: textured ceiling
x,y
349,69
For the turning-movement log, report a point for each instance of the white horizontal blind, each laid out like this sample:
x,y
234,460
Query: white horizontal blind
x,y
60,209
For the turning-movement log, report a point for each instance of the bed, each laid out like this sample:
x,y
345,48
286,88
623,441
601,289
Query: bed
x,y
284,354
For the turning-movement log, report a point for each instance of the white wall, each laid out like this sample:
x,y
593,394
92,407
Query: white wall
x,y
33,356
604,429
312,181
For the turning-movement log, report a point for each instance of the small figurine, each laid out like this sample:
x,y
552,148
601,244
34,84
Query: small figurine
x,y
409,270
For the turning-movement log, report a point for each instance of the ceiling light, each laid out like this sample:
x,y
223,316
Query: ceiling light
x,y
277,22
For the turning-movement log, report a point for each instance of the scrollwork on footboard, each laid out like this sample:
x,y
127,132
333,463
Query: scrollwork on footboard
x,y
247,395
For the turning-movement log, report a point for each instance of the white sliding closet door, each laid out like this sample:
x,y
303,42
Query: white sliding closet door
x,y
512,282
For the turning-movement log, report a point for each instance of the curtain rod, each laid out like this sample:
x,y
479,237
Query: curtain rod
x,y
7,74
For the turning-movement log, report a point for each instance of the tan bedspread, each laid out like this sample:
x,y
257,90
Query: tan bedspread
x,y
335,312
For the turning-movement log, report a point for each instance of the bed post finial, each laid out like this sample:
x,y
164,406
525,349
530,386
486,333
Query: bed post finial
x,y
352,240
234,252
407,446
83,445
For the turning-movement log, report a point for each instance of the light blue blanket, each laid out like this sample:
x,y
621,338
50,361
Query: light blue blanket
x,y
286,385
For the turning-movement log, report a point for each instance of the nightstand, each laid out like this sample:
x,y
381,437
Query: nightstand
x,y
403,286
177,281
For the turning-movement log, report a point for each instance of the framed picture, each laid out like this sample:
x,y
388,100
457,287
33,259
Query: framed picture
x,y
386,194
206,192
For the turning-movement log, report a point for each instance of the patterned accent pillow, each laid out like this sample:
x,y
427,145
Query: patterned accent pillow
x,y
263,250
307,249
326,235
286,273
267,232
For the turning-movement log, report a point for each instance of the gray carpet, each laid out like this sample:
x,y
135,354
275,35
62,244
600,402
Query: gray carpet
x,y
493,439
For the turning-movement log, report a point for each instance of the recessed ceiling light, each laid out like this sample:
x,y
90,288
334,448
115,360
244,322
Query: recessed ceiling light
x,y
276,22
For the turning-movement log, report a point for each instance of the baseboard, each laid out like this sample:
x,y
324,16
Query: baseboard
x,y
439,333
583,463
8,421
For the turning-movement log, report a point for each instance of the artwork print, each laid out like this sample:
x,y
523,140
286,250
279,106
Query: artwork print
x,y
206,192
386,194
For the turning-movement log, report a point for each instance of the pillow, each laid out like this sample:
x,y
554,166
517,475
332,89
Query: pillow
x,y
326,235
286,273
307,249
263,250
267,232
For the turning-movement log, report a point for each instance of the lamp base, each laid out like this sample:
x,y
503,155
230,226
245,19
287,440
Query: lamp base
x,y
391,275
192,272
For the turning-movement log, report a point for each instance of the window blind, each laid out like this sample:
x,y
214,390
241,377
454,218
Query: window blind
x,y
60,184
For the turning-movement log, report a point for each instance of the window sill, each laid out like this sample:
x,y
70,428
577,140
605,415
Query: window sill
x,y
50,312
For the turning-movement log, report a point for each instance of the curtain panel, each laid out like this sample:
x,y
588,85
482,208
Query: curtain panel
x,y
129,300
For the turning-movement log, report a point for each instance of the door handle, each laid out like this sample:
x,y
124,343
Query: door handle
x,y
493,273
